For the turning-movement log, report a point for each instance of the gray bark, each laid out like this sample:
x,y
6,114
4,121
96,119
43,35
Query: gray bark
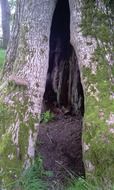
x,y
26,67
5,22
13,41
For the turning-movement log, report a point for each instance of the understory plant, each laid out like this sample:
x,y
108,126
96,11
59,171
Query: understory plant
x,y
47,116
33,178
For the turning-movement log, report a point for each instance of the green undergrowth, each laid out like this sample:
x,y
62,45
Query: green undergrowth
x,y
99,105
47,116
81,184
2,58
33,178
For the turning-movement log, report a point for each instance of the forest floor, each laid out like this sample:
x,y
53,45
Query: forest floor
x,y
59,145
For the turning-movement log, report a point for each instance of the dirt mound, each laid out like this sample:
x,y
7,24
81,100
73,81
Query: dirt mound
x,y
60,145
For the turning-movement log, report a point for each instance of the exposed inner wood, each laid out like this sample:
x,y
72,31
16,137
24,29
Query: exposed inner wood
x,y
63,86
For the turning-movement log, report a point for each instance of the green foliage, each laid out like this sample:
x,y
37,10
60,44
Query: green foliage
x,y
33,177
81,184
2,58
47,116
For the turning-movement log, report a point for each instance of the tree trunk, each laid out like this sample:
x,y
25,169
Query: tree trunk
x,y
5,22
24,78
22,92
92,38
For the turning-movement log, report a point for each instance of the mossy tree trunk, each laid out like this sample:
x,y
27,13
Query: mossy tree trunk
x,y
25,75
92,37
23,86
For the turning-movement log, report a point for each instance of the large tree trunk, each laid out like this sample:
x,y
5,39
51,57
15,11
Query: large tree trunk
x,y
24,79
22,92
92,37
5,22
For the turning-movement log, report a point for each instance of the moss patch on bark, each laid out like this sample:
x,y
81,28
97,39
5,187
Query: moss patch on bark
x,y
15,124
99,89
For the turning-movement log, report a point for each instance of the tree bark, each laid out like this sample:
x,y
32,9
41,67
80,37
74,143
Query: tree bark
x,y
24,80
25,77
5,22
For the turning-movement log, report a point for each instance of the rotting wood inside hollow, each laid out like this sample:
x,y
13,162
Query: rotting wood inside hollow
x,y
63,86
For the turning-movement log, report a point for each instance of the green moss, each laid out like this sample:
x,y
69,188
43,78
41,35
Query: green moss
x,y
97,101
96,131
12,156
24,134
9,164
96,23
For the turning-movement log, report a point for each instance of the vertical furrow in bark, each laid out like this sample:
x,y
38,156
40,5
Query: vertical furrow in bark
x,y
13,42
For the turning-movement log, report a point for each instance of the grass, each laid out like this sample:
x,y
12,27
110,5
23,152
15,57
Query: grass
x,y
33,177
81,184
2,58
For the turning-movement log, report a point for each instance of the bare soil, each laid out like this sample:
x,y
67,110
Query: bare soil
x,y
60,146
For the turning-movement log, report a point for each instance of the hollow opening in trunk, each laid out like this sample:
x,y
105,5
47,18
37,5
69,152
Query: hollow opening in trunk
x,y
63,86
61,149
